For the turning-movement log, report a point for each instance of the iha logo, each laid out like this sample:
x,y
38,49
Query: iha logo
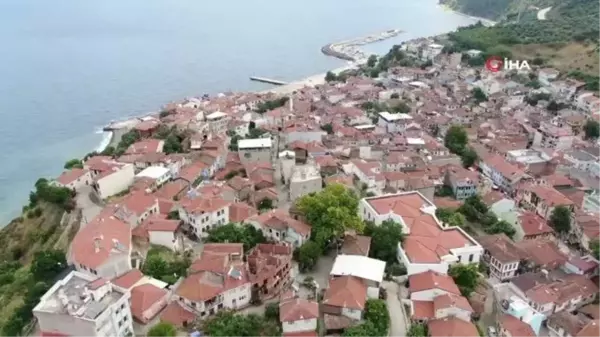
x,y
496,63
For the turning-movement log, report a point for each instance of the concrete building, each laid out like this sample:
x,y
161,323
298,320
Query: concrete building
x,y
429,245
503,174
74,179
305,179
542,199
114,179
287,160
584,161
279,226
394,122
160,174
553,135
464,183
217,122
84,305
255,150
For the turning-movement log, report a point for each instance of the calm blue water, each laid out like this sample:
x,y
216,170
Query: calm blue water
x,y
68,67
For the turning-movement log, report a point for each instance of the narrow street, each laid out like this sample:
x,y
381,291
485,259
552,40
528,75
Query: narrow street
x,y
398,324
89,207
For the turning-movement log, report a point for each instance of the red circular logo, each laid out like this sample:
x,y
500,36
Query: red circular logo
x,y
494,63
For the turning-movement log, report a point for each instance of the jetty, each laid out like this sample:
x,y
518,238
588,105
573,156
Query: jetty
x,y
267,80
348,50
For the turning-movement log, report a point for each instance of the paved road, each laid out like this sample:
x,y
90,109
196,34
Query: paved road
x,y
399,324
88,207
541,14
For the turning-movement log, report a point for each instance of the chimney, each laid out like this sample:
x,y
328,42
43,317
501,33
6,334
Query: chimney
x,y
97,241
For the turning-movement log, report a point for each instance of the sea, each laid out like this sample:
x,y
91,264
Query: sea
x,y
69,67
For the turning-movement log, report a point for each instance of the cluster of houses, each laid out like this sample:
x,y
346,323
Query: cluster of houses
x,y
530,161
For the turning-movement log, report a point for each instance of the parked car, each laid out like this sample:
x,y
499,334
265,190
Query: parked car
x,y
492,332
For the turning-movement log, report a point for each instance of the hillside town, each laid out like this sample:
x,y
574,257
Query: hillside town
x,y
437,199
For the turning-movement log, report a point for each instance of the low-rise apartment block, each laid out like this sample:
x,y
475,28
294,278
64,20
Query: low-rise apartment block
x,y
84,305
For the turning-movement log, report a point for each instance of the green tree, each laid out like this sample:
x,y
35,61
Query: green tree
x,y
327,128
469,157
227,323
330,77
73,163
417,330
376,311
231,232
591,129
307,255
456,139
272,311
47,264
479,95
162,329
366,329
265,204
173,215
501,227
466,277
595,248
384,240
155,266
560,219
443,214
372,61
173,144
330,213
456,220
231,175
395,95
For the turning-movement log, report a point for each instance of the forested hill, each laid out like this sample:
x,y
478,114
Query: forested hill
x,y
498,9
567,39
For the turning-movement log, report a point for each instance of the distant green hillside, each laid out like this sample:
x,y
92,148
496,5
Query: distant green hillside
x,y
498,9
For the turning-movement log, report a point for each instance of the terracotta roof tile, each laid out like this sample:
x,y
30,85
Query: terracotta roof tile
x,y
515,326
241,211
432,280
129,279
423,310
70,176
451,327
298,309
532,224
102,238
143,297
346,292
175,314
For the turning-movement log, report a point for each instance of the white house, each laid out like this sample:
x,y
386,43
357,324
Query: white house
x,y
255,150
115,179
160,174
217,122
102,248
297,315
203,213
429,245
305,179
365,268
502,256
279,226
84,305
74,179
428,285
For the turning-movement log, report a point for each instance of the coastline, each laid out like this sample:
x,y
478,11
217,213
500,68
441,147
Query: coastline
x,y
485,21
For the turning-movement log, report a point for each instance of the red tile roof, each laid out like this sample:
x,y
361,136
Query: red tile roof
x,y
129,279
144,146
281,219
432,280
515,326
451,301
297,309
591,329
102,238
175,314
346,292
309,333
70,176
143,297
550,195
451,327
427,241
532,224
423,310
241,211
200,204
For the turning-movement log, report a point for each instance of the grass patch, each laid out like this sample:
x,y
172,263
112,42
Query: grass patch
x,y
564,57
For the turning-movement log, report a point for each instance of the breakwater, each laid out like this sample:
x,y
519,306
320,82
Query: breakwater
x,y
350,51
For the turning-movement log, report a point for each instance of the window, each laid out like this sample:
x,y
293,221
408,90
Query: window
x,y
459,258
470,257
247,155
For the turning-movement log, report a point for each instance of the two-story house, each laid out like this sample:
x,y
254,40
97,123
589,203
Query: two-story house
x,y
278,225
542,199
203,213
504,175
464,183
501,255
